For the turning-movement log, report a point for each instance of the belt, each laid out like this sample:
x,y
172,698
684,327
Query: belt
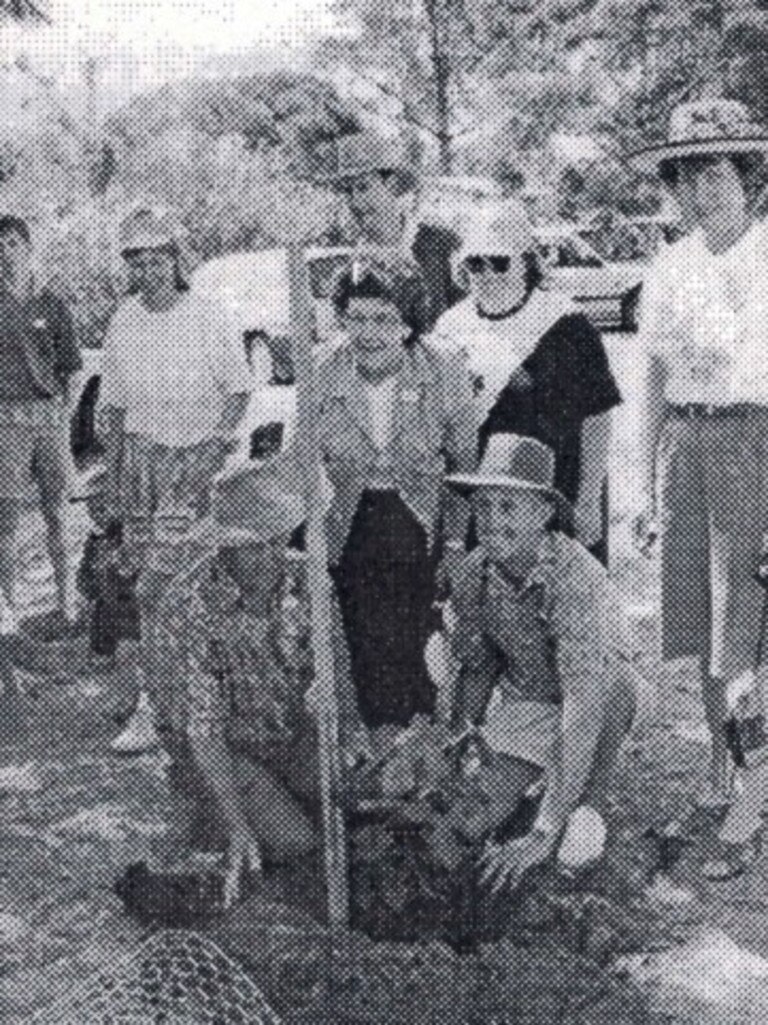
x,y
706,411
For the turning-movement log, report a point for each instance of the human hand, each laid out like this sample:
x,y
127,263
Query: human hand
x,y
243,857
504,865
358,750
645,530
589,522
448,568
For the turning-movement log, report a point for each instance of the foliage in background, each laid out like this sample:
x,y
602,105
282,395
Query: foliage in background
x,y
510,88
235,156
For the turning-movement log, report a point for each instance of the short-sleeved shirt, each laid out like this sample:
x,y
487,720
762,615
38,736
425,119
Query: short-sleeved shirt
x,y
232,677
38,349
704,315
548,637
172,371
539,372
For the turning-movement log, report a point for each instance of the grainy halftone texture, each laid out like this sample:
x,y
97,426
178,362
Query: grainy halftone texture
x,y
170,979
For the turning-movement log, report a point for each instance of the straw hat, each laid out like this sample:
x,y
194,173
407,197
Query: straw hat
x,y
516,462
254,506
704,127
367,152
497,229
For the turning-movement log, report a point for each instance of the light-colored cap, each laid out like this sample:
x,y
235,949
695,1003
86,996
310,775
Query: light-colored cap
x,y
497,229
366,152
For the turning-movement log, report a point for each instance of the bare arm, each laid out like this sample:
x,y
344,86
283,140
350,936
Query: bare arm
x,y
234,409
596,440
652,417
460,443
213,758
580,622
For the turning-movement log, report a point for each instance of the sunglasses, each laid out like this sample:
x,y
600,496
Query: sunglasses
x,y
496,264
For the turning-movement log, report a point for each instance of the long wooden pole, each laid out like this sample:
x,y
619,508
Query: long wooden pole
x,y
319,588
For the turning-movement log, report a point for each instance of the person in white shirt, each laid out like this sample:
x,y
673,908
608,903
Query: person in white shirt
x,y
174,388
705,436
538,365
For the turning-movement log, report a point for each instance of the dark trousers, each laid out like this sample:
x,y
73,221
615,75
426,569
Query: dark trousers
x,y
385,585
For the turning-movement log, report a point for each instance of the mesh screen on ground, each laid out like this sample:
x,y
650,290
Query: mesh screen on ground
x,y
173,978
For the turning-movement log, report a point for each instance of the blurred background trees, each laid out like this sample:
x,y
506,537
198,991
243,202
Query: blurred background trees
x,y
547,95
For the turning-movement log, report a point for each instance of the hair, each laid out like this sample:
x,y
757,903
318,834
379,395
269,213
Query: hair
x,y
9,223
181,283
750,167
406,292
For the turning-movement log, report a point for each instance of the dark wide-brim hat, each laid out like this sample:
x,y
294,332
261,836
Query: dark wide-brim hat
x,y
701,128
517,463
366,153
260,503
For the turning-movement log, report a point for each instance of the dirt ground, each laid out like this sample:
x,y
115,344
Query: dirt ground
x,y
633,944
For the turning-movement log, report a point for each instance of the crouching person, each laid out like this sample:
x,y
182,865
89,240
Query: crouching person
x,y
545,675
233,653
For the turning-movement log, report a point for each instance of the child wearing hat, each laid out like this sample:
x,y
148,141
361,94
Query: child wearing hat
x,y
545,676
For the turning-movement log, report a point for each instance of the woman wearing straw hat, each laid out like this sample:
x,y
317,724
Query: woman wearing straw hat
x,y
705,452
539,367
545,673
174,386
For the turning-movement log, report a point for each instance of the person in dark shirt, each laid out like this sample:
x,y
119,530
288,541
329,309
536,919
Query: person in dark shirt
x,y
379,184
539,366
38,355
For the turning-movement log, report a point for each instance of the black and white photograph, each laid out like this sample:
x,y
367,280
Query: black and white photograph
x,y
383,512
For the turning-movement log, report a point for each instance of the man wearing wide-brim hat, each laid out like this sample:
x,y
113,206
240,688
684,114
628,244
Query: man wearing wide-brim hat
x,y
545,674
233,663
704,457
380,182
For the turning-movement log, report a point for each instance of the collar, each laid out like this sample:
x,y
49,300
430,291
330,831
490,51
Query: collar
x,y
507,313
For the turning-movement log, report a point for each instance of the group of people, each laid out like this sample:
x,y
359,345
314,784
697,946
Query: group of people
x,y
463,427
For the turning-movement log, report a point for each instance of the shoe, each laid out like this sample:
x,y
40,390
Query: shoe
x,y
731,860
139,735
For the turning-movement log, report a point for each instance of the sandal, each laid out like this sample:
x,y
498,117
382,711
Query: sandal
x,y
731,861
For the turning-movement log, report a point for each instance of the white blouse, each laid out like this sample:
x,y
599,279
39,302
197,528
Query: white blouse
x,y
704,316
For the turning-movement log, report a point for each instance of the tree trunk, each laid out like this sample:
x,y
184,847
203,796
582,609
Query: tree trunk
x,y
441,64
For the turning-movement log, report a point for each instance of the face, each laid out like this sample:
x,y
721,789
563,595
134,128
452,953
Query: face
x,y
373,202
15,258
376,331
711,194
151,272
496,281
511,524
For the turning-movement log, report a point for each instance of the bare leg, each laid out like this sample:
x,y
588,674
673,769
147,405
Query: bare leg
x,y
9,518
716,713
53,516
618,723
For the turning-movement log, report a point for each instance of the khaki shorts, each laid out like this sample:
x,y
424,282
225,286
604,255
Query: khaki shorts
x,y
33,450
